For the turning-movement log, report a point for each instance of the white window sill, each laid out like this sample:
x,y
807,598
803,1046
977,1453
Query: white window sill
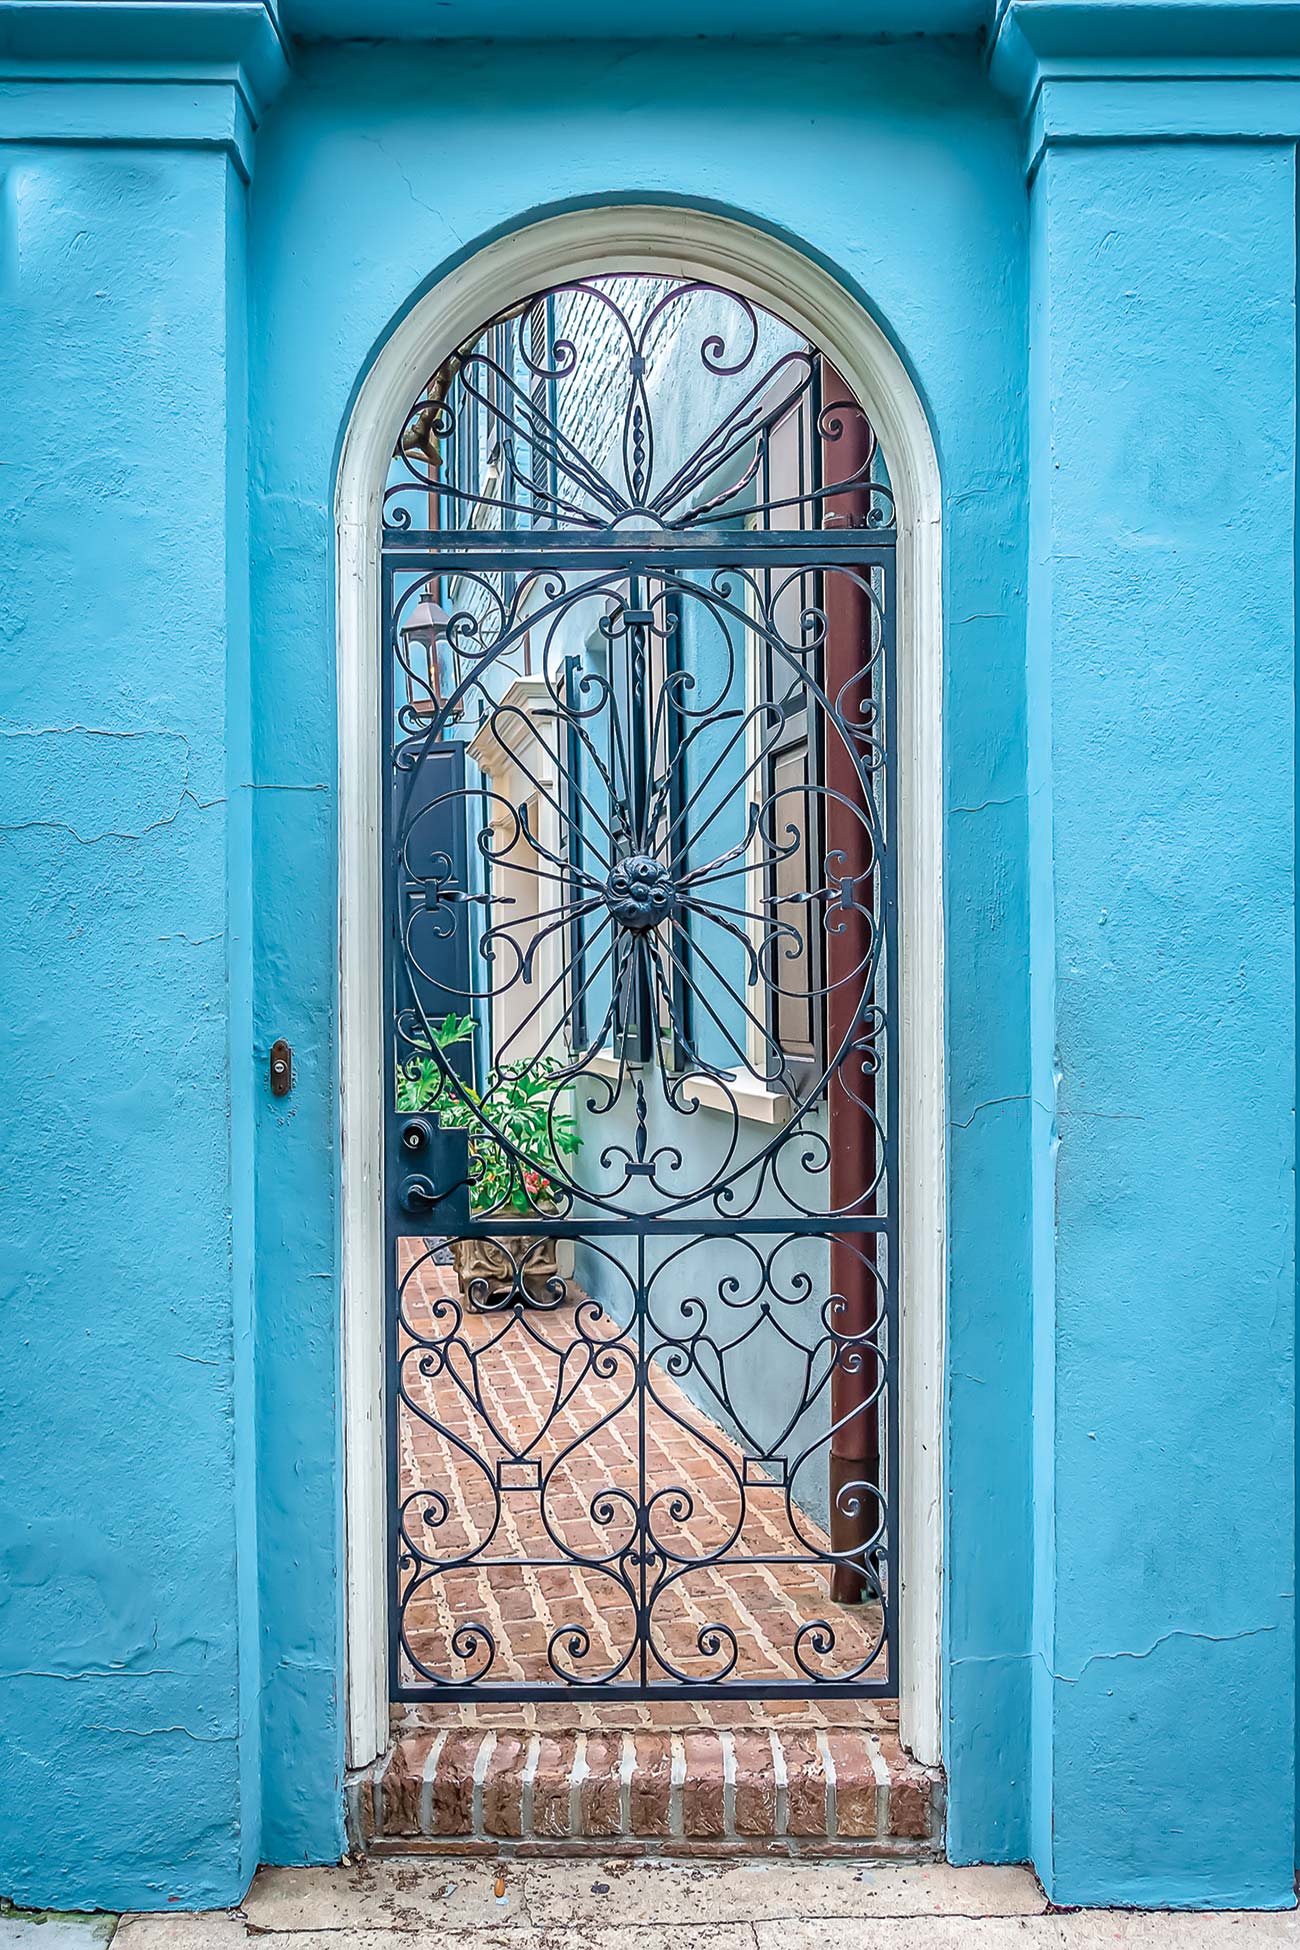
x,y
754,1101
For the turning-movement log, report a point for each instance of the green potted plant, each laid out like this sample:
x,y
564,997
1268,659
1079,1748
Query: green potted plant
x,y
510,1177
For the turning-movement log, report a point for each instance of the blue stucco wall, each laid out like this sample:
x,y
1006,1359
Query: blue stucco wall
x,y
128,1647
1165,614
1108,361
838,150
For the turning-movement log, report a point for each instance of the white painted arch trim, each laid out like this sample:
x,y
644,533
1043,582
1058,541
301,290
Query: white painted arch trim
x,y
687,243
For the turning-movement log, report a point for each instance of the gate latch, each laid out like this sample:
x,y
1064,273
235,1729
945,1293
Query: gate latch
x,y
281,1069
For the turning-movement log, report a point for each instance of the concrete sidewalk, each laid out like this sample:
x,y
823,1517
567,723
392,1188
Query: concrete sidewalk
x,y
476,1904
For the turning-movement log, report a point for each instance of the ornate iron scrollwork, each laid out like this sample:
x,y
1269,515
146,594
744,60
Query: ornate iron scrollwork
x,y
601,467
642,973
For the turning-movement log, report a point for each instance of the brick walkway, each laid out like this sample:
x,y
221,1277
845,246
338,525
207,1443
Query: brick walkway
x,y
767,1596
704,1777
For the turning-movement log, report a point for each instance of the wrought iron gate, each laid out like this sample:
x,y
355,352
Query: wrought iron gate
x,y
641,960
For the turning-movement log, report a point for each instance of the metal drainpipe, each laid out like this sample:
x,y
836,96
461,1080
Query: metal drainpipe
x,y
855,1449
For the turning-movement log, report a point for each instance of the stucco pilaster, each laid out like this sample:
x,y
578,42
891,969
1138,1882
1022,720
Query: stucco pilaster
x,y
1160,153
128,1640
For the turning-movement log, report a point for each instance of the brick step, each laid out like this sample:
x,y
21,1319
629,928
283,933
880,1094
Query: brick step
x,y
725,1790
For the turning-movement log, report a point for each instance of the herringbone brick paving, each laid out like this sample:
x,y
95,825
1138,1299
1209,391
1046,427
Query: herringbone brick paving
x,y
517,1399
681,1774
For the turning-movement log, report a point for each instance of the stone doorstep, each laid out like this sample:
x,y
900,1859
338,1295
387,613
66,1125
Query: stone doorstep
x,y
702,1791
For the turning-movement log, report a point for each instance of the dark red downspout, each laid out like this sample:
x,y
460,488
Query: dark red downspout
x,y
855,1448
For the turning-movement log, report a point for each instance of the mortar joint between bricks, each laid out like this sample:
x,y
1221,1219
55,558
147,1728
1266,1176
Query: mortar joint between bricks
x,y
428,1777
626,1769
482,1761
676,1783
578,1772
728,1744
377,1789
880,1768
832,1805
781,1815
526,1782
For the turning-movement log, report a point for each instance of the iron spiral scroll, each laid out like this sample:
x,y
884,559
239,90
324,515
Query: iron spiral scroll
x,y
642,972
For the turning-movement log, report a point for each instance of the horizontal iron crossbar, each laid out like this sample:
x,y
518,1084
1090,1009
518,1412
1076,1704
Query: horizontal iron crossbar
x,y
678,1692
613,547
795,1226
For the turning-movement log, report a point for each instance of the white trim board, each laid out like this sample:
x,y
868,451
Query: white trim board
x,y
687,243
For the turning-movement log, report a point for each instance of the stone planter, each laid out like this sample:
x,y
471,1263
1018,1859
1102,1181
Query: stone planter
x,y
485,1268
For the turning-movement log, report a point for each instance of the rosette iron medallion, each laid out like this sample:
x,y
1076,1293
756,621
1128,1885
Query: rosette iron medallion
x,y
640,893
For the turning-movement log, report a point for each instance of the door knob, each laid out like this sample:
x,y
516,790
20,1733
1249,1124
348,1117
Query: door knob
x,y
417,1195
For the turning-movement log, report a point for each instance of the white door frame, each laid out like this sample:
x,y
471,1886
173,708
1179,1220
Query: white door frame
x,y
687,243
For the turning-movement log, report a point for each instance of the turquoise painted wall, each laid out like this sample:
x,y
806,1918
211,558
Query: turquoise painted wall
x,y
1164,608
789,142
1108,359
128,1616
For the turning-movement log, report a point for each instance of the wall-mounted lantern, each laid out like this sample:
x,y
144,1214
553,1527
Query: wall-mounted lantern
x,y
421,635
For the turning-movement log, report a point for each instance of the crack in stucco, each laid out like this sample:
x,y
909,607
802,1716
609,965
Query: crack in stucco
x,y
1024,796
95,1672
991,1103
1061,1111
113,833
1109,1116
147,1733
1174,1632
1014,799
418,201
94,731
167,819
1122,1652
158,733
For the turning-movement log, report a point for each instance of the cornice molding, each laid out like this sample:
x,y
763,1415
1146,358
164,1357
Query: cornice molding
x,y
181,73
520,21
1089,71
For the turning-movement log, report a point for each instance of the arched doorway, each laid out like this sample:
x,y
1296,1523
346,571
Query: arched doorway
x,y
583,596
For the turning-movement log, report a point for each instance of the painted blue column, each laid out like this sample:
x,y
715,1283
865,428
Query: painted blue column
x,y
128,1623
1162,669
